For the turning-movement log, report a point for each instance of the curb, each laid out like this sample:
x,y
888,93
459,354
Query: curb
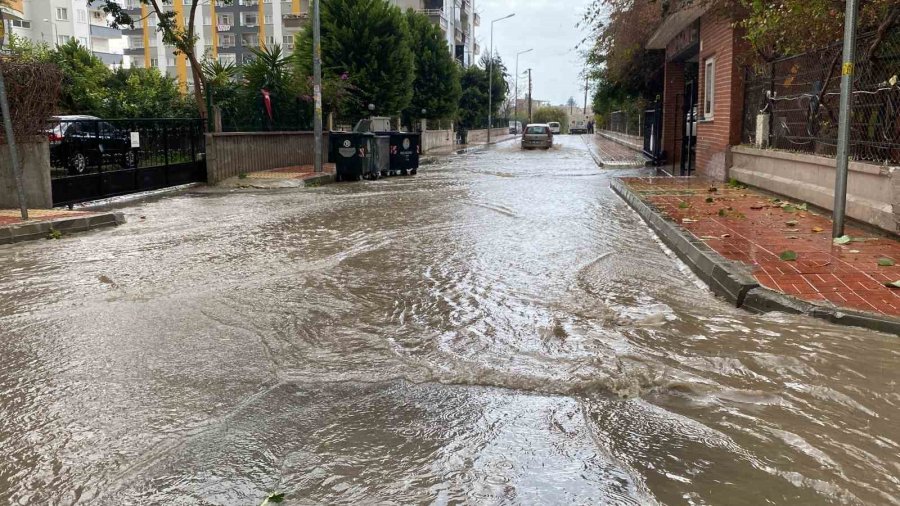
x,y
634,147
319,180
733,280
21,232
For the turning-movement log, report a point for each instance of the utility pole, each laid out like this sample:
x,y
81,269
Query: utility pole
x,y
843,141
516,105
529,96
10,136
317,85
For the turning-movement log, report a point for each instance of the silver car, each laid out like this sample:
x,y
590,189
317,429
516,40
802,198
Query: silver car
x,y
537,136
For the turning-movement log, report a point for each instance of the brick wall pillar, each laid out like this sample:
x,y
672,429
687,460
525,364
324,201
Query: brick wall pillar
x,y
672,110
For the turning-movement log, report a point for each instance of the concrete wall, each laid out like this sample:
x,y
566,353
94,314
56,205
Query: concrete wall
x,y
873,191
480,136
35,163
230,154
433,139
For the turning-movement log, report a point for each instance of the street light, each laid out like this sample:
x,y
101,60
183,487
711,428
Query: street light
x,y
516,103
491,78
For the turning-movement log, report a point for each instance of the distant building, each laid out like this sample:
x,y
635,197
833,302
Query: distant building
x,y
55,22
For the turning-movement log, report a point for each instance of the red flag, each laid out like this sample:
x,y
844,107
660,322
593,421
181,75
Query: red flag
x,y
268,101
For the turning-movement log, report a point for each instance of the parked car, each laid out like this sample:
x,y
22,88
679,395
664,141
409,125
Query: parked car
x,y
555,127
80,142
537,136
515,127
578,127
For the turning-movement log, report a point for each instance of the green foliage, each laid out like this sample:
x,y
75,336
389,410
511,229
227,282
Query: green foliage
x,y
473,104
144,93
368,41
548,114
84,79
436,87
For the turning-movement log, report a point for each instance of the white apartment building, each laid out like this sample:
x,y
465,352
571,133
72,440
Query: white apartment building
x,y
55,22
457,19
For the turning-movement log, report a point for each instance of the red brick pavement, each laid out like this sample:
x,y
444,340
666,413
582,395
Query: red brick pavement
x,y
613,153
754,228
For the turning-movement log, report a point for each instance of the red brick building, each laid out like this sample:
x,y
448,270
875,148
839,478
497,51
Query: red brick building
x,y
703,91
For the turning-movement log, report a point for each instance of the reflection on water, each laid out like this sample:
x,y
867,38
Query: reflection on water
x,y
499,329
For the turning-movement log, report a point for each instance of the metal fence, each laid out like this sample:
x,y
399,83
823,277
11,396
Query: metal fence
x,y
800,95
625,122
94,158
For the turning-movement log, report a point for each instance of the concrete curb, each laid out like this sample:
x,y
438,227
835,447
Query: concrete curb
x,y
733,280
635,147
319,180
31,231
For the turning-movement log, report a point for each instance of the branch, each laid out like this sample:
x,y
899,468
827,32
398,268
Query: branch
x,y
893,16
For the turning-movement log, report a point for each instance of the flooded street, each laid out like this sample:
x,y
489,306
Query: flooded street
x,y
500,329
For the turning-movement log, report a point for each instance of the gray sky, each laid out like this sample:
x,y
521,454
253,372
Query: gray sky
x,y
548,26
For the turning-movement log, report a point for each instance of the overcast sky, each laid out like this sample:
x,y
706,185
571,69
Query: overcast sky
x,y
548,26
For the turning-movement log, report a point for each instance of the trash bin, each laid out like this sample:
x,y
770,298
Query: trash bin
x,y
354,155
382,154
405,150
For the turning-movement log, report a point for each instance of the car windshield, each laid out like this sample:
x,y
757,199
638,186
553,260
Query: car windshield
x,y
536,130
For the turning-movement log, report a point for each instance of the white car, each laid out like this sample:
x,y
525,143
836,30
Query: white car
x,y
555,128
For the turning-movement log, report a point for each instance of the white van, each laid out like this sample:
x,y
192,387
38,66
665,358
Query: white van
x,y
555,127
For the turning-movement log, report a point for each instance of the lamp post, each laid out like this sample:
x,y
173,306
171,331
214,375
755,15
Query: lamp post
x,y
491,78
516,103
423,125
318,160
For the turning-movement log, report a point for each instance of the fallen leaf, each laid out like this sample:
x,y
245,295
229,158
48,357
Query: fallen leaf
x,y
788,208
817,229
725,236
792,223
843,240
710,200
885,262
688,220
788,255
792,237
713,189
757,208
854,251
893,80
893,284
803,207
683,205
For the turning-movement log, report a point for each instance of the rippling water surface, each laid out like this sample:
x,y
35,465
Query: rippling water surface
x,y
500,329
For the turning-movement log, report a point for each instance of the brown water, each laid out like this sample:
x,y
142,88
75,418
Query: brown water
x,y
501,329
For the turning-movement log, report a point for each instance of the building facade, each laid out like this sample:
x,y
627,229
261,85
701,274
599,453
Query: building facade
x,y
457,20
55,22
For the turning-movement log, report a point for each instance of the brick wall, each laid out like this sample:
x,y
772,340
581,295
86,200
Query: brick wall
x,y
718,40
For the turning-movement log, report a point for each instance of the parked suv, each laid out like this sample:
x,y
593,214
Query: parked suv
x,y
537,136
80,142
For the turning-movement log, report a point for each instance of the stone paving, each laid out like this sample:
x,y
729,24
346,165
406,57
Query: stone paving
x,y
611,153
295,172
788,246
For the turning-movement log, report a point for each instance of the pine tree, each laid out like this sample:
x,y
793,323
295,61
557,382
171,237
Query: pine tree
x,y
436,87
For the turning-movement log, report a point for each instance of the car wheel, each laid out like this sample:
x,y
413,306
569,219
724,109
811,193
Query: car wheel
x,y
78,163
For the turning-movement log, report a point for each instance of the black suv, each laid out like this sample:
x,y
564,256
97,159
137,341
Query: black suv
x,y
79,143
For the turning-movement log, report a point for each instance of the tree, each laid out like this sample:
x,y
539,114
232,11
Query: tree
x,y
144,93
549,114
84,79
176,33
369,41
436,86
571,104
473,104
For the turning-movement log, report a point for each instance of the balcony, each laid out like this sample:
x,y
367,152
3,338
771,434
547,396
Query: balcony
x,y
109,58
437,17
477,20
105,32
294,20
467,5
477,48
13,10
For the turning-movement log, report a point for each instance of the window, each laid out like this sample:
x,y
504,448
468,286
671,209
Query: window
x,y
21,24
225,59
61,40
136,42
170,60
62,14
83,41
151,20
250,20
287,39
225,19
709,88
82,15
268,19
154,62
270,40
226,40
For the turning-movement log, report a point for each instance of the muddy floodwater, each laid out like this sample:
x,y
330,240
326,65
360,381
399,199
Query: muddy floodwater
x,y
500,329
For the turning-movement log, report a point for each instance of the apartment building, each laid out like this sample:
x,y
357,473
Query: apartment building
x,y
55,22
226,32
457,20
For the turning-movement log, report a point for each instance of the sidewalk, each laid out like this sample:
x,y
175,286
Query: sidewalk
x,y
284,177
43,222
782,245
607,152
455,148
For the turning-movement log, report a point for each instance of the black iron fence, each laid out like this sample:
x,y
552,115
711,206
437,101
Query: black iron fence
x,y
94,158
652,133
627,122
799,98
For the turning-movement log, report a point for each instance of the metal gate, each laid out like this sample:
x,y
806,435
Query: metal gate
x,y
653,133
689,130
93,159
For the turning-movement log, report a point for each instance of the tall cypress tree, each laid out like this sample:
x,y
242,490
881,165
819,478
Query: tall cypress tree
x,y
368,41
436,87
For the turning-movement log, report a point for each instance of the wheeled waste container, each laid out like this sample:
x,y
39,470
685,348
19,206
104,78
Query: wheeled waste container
x,y
405,150
354,155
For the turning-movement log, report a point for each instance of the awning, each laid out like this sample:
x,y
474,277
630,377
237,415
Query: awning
x,y
675,24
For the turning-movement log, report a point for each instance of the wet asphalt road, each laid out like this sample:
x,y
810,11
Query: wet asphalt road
x,y
500,329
